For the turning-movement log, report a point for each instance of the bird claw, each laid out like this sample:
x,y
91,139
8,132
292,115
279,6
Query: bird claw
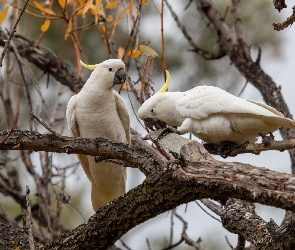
x,y
98,159
224,149
267,140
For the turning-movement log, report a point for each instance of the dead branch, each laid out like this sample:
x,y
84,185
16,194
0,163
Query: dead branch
x,y
12,33
289,21
279,4
245,220
46,125
29,220
46,61
205,54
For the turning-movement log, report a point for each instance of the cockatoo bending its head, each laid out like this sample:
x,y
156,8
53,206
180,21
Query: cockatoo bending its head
x,y
213,115
99,111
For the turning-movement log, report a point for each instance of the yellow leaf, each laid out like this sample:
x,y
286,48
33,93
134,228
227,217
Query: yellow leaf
x,y
42,9
113,4
45,26
131,9
48,11
110,18
103,28
148,50
121,52
118,19
69,29
38,5
3,14
81,2
87,6
62,3
134,53
144,2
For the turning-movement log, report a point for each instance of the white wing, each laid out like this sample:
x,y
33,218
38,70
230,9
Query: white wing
x,y
203,101
123,114
74,131
71,117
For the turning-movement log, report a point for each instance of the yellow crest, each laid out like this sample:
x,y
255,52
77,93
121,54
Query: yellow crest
x,y
166,84
91,67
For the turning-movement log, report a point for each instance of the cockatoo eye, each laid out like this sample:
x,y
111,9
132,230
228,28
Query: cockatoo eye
x,y
153,111
110,69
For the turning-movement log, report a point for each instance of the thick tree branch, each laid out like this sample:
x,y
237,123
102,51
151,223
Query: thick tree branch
x,y
135,156
240,217
195,175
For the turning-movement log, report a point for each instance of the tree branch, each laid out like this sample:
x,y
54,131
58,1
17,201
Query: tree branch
x,y
46,61
195,176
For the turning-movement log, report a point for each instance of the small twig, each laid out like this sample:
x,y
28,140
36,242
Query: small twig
x,y
230,245
47,126
171,227
124,244
259,55
163,40
148,244
238,21
29,219
242,90
206,55
5,138
185,238
279,4
207,212
290,20
12,33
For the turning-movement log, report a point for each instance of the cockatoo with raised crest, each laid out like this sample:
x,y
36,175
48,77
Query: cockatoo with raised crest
x,y
213,115
99,111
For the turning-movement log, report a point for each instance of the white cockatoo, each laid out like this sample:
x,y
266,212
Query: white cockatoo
x,y
99,111
213,115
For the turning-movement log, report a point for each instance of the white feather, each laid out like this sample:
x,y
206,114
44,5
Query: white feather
x,y
99,111
214,115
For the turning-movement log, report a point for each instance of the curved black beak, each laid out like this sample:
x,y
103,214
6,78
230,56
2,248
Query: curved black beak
x,y
120,77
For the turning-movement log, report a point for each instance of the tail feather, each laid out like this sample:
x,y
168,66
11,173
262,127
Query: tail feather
x,y
279,121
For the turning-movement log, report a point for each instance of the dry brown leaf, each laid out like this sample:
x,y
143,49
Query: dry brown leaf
x,y
148,51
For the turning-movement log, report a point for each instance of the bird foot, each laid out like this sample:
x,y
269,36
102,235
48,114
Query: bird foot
x,y
166,131
267,140
98,159
225,149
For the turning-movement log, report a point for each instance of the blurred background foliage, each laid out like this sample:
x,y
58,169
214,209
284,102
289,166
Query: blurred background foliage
x,y
86,40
